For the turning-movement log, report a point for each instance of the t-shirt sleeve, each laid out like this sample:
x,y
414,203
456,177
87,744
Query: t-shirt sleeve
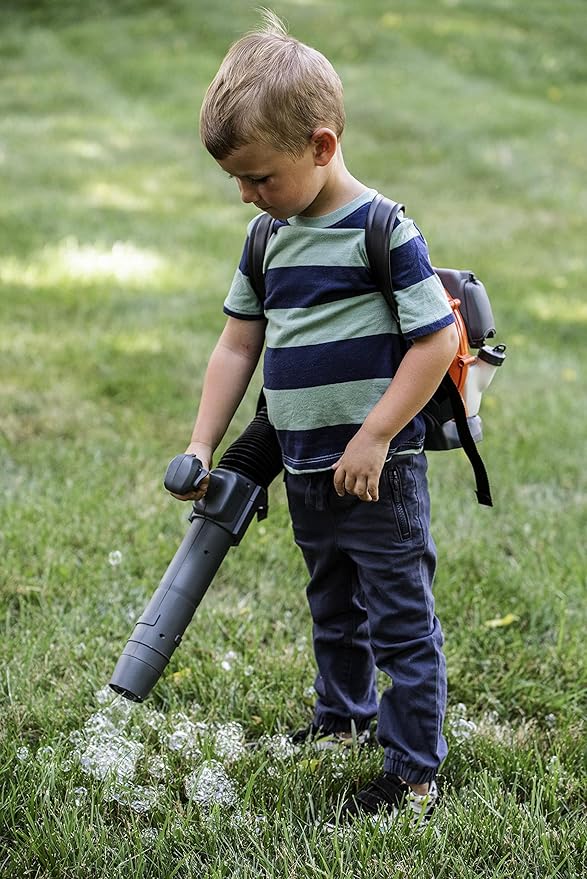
x,y
241,301
422,304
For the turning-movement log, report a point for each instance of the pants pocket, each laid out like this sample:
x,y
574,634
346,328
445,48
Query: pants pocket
x,y
400,509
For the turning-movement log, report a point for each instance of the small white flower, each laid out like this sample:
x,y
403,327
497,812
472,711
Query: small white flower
x,y
115,558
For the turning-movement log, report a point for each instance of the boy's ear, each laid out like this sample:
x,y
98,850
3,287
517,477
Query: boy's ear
x,y
324,143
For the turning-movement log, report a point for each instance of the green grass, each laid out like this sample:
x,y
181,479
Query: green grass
x,y
118,238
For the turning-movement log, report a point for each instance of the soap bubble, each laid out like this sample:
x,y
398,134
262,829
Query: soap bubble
x,y
154,719
279,746
458,723
229,741
209,785
462,729
156,766
137,797
45,753
80,794
149,835
183,737
104,696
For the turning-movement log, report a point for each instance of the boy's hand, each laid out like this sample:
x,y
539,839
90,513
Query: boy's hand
x,y
358,470
204,454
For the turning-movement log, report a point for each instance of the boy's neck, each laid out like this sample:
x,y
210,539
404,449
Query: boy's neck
x,y
339,189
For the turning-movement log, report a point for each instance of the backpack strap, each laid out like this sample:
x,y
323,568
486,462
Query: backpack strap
x,y
483,491
259,237
378,228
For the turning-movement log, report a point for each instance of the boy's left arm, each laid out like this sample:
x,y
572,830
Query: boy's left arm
x,y
358,470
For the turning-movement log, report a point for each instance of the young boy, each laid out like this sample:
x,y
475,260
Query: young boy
x,y
344,386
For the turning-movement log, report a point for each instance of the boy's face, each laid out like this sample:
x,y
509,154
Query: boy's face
x,y
276,182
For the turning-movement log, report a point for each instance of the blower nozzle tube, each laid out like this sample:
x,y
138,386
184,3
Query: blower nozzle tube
x,y
236,493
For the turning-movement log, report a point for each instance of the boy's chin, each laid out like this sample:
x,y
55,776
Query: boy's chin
x,y
273,212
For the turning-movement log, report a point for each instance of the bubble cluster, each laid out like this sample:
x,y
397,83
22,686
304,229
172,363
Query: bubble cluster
x,y
108,755
490,726
136,755
105,750
102,747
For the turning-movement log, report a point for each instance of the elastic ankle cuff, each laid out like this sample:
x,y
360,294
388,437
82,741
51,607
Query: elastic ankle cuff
x,y
408,772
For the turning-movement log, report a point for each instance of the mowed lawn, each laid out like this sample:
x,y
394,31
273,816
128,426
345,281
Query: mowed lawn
x,y
118,239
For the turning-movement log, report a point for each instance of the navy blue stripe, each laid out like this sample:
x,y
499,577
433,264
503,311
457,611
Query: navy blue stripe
x,y
244,260
356,220
410,263
303,286
310,366
322,447
244,263
431,328
241,316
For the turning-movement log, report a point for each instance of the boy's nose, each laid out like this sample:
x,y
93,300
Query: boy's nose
x,y
248,192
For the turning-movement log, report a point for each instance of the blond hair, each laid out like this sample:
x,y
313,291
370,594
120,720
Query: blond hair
x,y
270,89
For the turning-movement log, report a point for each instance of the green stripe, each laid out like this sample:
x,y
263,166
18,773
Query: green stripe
x,y
404,232
424,299
241,296
298,247
325,406
352,318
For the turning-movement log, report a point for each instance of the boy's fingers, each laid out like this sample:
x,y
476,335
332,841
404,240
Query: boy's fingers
x,y
361,491
373,489
194,495
339,478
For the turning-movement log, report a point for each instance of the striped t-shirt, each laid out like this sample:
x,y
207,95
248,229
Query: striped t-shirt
x,y
332,344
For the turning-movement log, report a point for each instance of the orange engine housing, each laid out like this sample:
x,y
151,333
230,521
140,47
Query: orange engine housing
x,y
463,358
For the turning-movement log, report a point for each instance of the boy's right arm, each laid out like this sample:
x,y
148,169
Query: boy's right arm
x,y
229,372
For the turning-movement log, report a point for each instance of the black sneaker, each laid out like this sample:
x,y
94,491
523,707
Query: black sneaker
x,y
385,797
322,740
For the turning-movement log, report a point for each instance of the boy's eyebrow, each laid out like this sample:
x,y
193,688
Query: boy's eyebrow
x,y
248,174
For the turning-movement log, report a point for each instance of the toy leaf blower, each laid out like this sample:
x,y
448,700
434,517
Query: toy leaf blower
x,y
237,491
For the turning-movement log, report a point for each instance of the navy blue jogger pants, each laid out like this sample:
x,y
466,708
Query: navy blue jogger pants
x,y
371,569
